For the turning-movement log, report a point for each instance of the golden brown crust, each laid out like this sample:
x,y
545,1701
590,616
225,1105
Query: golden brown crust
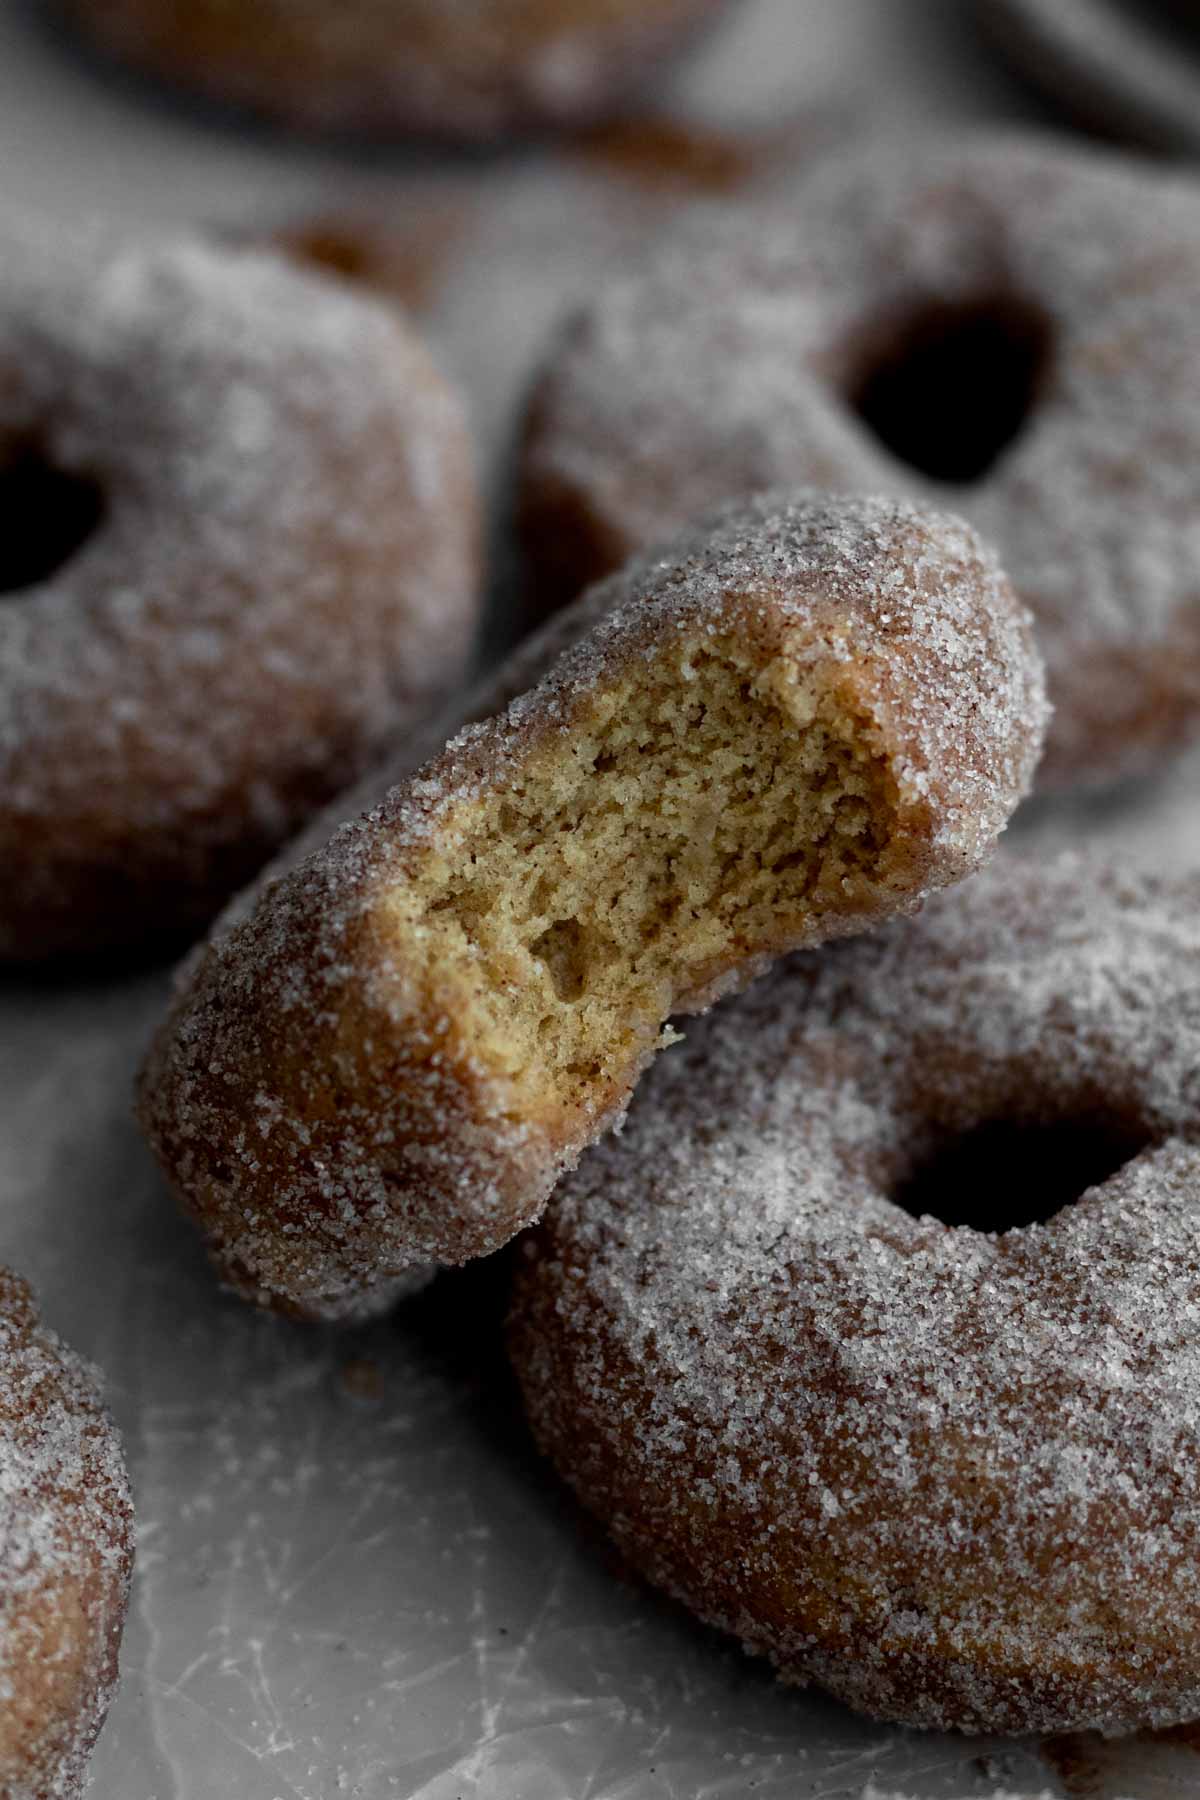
x,y
66,1551
283,579
951,1476
476,70
334,1103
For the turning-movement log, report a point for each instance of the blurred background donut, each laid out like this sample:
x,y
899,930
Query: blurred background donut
x,y
476,69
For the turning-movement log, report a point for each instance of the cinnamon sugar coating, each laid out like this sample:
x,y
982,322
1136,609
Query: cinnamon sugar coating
x,y
279,577
66,1551
1000,325
471,69
797,719
949,1473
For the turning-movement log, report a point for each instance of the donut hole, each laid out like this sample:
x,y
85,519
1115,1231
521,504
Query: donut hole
x,y
952,390
704,808
47,515
1003,1175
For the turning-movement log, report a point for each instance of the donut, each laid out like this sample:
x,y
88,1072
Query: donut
x,y
1120,67
996,324
476,70
66,1554
798,718
240,558
871,1338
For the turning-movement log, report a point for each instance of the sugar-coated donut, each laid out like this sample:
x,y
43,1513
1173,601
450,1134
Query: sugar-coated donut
x,y
66,1553
240,555
996,324
476,69
797,719
951,1476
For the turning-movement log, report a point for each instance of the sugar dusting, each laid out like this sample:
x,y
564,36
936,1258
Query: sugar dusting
x,y
722,366
283,580
952,1477
878,583
326,1131
65,1554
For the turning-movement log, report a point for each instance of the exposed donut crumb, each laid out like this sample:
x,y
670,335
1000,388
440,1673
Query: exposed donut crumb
x,y
804,715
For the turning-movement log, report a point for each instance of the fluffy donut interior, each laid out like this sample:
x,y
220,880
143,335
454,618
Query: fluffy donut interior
x,y
705,808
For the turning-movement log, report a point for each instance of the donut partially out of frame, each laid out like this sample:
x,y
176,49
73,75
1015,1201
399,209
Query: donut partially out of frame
x,y
823,1340
240,555
66,1554
999,325
797,719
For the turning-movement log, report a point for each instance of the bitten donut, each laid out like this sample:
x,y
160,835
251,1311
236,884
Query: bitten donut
x,y
997,325
66,1552
477,69
240,556
797,719
824,1341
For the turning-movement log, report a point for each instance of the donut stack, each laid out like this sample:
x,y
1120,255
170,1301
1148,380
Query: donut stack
x,y
863,1316
867,1334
